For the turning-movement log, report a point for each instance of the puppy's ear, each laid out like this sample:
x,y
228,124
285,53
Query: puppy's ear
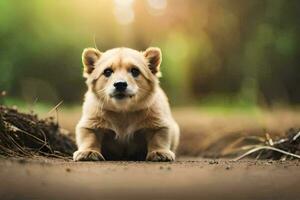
x,y
89,58
153,56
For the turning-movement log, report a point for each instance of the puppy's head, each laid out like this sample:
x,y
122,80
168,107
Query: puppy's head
x,y
122,79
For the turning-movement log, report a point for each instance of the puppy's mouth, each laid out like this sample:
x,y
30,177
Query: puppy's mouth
x,y
121,95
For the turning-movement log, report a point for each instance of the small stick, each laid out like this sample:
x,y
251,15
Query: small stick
x,y
22,131
55,107
296,136
56,111
268,148
95,41
269,139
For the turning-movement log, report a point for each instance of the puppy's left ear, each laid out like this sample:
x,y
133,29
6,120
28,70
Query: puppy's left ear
x,y
153,56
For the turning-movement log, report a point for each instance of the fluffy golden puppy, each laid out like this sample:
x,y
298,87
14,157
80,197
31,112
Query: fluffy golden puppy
x,y
126,115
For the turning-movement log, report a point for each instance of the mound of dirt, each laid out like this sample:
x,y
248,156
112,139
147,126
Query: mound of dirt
x,y
25,135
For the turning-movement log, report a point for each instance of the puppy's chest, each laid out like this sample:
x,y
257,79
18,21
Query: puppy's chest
x,y
124,124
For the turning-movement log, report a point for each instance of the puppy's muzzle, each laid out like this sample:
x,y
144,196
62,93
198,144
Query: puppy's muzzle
x,y
120,90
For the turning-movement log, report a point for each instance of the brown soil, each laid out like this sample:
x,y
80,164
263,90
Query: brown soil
x,y
203,134
183,179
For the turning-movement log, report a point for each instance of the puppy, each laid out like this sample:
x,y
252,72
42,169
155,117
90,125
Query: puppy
x,y
126,115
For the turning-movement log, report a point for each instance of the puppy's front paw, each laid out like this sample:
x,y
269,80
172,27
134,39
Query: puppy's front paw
x,y
161,156
88,155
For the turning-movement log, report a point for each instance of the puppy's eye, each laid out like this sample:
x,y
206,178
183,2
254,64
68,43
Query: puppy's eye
x,y
107,72
135,72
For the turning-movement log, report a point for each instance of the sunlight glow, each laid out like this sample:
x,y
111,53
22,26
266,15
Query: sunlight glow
x,y
157,4
124,3
124,12
157,7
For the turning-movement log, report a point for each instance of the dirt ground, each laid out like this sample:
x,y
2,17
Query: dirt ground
x,y
188,178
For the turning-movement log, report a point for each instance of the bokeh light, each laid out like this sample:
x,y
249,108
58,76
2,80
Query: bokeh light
x,y
124,12
157,7
157,4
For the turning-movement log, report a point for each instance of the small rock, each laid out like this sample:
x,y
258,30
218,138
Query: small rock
x,y
211,162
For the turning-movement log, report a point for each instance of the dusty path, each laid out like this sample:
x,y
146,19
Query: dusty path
x,y
185,179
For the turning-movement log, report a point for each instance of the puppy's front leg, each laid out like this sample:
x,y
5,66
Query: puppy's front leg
x,y
89,145
159,144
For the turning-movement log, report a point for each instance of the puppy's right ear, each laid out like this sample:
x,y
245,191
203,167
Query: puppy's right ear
x,y
89,58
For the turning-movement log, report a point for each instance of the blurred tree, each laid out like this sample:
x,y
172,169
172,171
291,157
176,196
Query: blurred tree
x,y
230,48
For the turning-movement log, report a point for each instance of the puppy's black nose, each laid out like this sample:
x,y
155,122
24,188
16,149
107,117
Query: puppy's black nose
x,y
120,86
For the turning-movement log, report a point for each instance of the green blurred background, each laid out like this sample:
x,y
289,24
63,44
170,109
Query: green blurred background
x,y
214,51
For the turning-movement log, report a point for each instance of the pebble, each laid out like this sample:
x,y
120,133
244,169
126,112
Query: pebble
x,y
211,162
228,167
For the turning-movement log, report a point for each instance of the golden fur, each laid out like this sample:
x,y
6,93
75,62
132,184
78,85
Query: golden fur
x,y
137,127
